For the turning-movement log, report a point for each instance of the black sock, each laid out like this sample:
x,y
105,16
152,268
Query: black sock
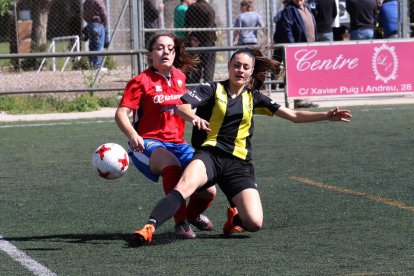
x,y
237,221
166,208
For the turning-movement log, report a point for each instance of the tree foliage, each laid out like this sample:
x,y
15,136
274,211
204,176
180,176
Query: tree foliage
x,y
5,6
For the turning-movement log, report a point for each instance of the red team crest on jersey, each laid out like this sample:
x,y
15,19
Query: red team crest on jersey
x,y
151,91
180,83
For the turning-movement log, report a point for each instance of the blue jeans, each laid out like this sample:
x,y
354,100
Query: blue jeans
x,y
324,36
360,34
96,34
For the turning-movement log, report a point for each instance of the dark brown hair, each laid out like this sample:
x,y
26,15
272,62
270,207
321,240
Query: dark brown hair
x,y
264,67
183,61
248,4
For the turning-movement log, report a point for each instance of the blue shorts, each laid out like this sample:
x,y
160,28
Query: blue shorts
x,y
183,152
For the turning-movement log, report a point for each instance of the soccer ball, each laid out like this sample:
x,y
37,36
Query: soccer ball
x,y
110,160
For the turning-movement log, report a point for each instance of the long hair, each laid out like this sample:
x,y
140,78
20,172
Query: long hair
x,y
183,61
264,67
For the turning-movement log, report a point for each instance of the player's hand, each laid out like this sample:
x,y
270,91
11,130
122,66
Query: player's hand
x,y
136,143
339,115
201,124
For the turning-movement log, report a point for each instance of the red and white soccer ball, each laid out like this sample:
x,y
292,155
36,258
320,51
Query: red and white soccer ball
x,y
110,160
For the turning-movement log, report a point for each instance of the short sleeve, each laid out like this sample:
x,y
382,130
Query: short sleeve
x,y
132,94
199,94
263,105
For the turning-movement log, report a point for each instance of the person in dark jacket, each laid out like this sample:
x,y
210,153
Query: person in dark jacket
x,y
201,15
296,24
96,16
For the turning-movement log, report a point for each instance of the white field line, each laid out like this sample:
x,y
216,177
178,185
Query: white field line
x,y
5,246
57,124
386,109
21,257
112,121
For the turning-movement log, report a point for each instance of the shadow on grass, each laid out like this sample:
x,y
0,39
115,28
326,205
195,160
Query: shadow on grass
x,y
103,238
158,239
222,236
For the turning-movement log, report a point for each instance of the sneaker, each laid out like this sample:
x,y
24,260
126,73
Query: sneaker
x,y
305,104
228,227
184,231
203,223
139,237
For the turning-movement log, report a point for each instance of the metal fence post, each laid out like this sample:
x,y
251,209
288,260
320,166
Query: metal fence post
x,y
134,35
404,22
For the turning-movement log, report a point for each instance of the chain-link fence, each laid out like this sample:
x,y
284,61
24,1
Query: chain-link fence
x,y
54,27
53,30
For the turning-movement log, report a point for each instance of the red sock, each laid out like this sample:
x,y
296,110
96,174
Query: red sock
x,y
170,177
197,205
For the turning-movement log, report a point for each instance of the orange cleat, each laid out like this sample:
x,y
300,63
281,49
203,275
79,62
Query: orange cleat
x,y
144,235
228,227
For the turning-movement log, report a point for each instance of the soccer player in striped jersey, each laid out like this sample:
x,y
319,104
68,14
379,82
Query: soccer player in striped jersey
x,y
223,128
156,134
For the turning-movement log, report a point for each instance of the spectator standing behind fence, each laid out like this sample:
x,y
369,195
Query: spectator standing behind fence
x,y
201,15
296,24
179,15
388,18
278,52
362,14
326,13
95,15
152,10
247,18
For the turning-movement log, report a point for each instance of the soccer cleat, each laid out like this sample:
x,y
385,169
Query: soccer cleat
x,y
228,227
203,223
139,237
184,231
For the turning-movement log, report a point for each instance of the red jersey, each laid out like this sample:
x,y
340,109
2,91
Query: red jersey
x,y
154,100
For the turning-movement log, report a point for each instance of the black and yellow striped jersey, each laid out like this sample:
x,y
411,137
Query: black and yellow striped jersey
x,y
231,119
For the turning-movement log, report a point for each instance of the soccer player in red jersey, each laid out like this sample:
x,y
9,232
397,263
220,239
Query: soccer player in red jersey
x,y
156,144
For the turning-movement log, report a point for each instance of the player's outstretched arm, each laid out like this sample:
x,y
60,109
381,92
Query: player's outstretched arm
x,y
303,116
187,114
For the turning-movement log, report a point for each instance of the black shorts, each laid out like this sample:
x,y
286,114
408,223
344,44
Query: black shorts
x,y
232,174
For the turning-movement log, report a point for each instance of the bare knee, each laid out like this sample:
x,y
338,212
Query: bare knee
x,y
209,193
253,225
250,209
